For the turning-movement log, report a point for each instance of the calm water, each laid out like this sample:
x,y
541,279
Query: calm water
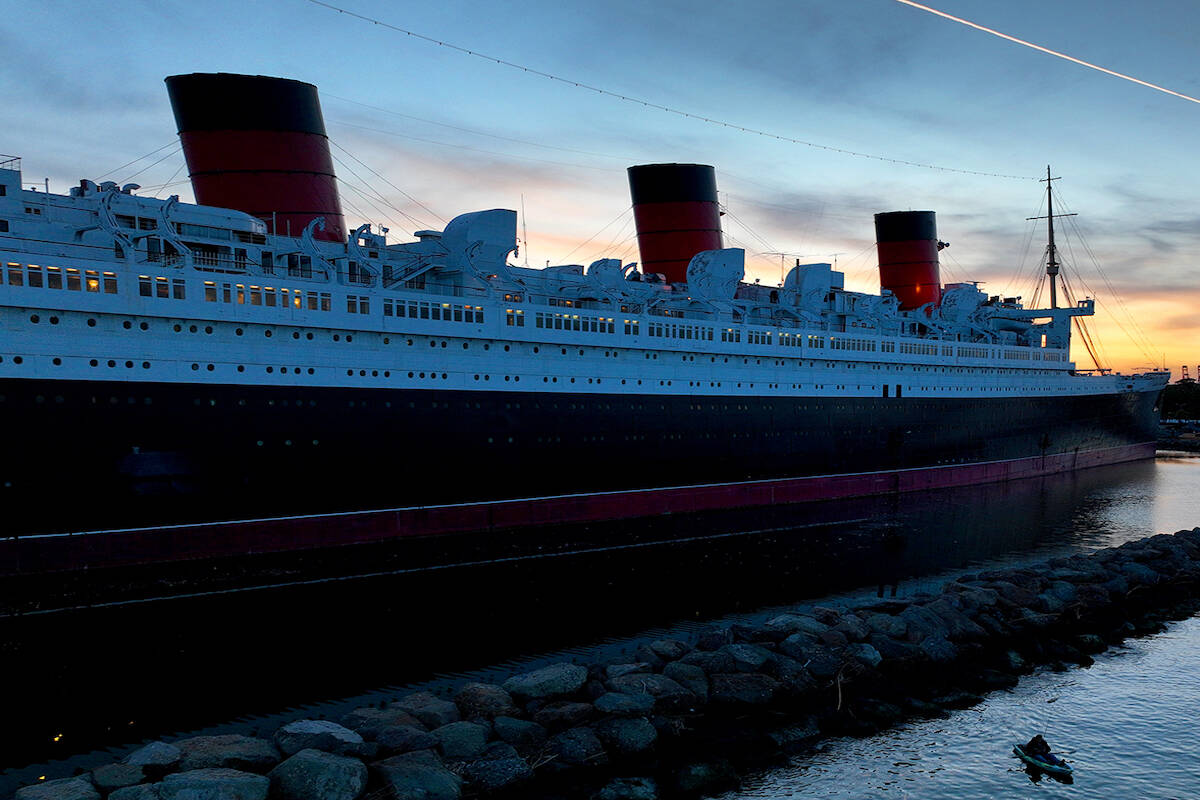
x,y
84,688
1128,725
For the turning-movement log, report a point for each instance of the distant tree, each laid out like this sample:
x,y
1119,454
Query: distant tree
x,y
1181,401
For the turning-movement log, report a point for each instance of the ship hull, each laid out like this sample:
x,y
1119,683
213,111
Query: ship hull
x,y
89,455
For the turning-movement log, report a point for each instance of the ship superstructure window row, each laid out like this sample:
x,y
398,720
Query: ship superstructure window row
x,y
446,312
574,322
158,286
34,276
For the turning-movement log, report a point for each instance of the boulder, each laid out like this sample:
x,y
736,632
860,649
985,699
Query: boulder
x,y
316,734
796,680
958,625
145,791
555,680
230,751
938,649
886,624
419,775
117,776
578,746
864,654
628,789
710,662
704,777
404,739
620,704
853,628
213,783
1139,574
741,690
317,775
484,701
527,737
895,651
793,737
367,721
670,649
923,624
747,657
432,711
156,754
799,645
498,767
77,788
617,670
668,695
833,638
714,638
562,714
1090,643
644,654
461,740
690,677
627,736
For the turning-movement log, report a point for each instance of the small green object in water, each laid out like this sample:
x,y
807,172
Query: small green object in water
x,y
1050,764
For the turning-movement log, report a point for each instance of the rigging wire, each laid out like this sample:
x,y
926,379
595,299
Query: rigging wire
x,y
155,164
378,195
139,158
619,235
583,244
380,213
656,106
367,167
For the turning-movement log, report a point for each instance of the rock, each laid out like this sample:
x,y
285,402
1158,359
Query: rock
x,y
498,767
316,734
117,776
853,628
799,645
419,775
368,722
887,625
461,740
213,783
668,695
670,649
1013,662
145,791
1139,574
747,657
578,746
617,670
690,677
317,775
714,638
555,680
959,626
156,754
404,739
704,777
77,788
1090,643
793,737
645,655
710,662
1012,594
432,711
620,704
893,651
484,701
627,735
1118,585
923,624
990,680
740,690
923,709
1065,592
562,714
864,654
1049,603
527,737
231,751
796,680
628,789
938,649
820,662
796,623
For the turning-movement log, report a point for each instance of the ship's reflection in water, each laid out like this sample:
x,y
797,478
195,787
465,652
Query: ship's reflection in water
x,y
112,676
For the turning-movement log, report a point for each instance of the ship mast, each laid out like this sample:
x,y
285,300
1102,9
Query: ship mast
x,y
1052,263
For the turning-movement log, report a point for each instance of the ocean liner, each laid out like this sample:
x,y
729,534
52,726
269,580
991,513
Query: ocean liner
x,y
249,357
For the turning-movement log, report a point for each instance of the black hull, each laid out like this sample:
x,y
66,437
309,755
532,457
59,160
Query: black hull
x,y
107,454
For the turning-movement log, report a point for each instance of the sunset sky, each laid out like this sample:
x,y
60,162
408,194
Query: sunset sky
x,y
82,94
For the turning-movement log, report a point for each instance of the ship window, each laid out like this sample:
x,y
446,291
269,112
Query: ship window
x,y
424,310
178,289
255,295
35,276
16,275
210,292
92,280
73,282
3,222
364,305
3,190
269,296
387,307
162,287
297,298
144,285
268,262
53,278
241,294
226,293
313,301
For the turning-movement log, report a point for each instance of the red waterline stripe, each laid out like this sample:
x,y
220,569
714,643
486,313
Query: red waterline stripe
x,y
96,549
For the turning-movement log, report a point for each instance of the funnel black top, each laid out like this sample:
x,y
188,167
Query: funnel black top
x,y
672,183
206,101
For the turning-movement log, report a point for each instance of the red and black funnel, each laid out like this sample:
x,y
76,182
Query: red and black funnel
x,y
258,144
908,260
676,213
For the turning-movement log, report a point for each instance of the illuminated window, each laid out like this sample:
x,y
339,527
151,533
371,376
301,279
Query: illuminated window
x,y
326,301
74,283
241,294
53,278
144,288
16,274
313,301
110,283
91,280
210,292
178,288
351,304
297,298
255,295
226,293
162,287
269,296
35,280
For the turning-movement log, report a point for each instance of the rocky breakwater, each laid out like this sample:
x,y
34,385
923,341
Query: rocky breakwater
x,y
680,718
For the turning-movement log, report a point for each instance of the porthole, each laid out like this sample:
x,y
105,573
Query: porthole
x,y
58,362
374,373
91,323
208,328
267,333
192,328
466,346
144,326
210,367
54,320
128,365
337,337
489,347
443,343
238,331
536,349
145,365
195,367
410,375
310,370
350,373
178,327
126,324
410,342
270,369
422,375
350,338
386,373
241,367
362,373
35,319
387,340
432,343
308,336
295,334
94,362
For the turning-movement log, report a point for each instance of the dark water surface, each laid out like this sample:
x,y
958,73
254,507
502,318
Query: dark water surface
x,y
83,688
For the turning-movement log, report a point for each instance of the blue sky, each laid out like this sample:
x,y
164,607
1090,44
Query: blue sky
x,y
83,94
